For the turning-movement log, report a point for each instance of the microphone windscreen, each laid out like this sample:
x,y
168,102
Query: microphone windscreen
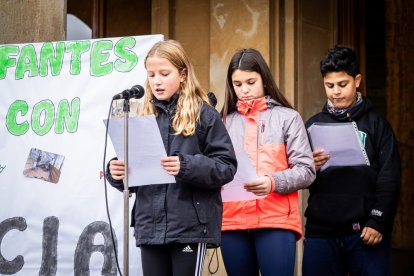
x,y
137,91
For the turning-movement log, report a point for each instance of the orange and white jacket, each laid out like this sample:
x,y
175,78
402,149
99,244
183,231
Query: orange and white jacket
x,y
276,142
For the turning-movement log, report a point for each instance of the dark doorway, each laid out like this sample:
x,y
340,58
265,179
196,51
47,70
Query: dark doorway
x,y
113,18
361,25
375,59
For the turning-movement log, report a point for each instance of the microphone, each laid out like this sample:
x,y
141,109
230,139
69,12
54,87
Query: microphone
x,y
136,91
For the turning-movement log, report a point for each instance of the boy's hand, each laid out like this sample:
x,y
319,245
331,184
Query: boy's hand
x,y
320,158
370,236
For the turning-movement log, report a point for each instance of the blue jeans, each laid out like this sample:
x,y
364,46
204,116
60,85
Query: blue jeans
x,y
345,255
270,250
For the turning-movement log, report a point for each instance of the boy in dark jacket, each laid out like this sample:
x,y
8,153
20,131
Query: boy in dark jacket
x,y
351,209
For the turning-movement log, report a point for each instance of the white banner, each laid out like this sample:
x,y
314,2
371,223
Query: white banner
x,y
54,96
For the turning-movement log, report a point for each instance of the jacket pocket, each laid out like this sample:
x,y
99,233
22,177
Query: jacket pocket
x,y
199,202
208,206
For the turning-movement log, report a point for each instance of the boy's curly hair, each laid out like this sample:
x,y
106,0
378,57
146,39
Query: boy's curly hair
x,y
338,59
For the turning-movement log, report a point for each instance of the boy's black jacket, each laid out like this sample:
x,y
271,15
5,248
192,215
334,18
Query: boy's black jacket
x,y
190,210
345,199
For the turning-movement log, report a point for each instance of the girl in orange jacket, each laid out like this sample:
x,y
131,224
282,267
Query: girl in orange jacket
x,y
261,234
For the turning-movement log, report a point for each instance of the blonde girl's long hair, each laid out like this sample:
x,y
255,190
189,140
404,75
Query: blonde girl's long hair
x,y
191,95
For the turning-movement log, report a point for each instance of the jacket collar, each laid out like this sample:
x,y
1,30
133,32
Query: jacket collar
x,y
252,107
166,105
353,113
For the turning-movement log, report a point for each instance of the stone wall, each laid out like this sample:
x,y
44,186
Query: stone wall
x,y
24,21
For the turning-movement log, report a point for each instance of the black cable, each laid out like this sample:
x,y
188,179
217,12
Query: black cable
x,y
106,192
211,259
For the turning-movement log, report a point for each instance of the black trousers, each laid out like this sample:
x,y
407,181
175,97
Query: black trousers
x,y
175,259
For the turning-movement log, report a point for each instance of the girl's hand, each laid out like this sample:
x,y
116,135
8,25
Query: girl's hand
x,y
117,169
261,186
320,158
171,164
370,236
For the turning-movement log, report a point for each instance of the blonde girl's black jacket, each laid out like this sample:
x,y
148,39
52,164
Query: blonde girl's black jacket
x,y
345,199
190,210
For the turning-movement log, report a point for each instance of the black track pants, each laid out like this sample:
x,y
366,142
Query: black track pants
x,y
173,259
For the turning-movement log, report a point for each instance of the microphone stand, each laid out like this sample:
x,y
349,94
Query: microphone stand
x,y
126,189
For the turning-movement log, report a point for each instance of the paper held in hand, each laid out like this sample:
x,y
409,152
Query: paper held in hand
x,y
145,150
341,141
234,190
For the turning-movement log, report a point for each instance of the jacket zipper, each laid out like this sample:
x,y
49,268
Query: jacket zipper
x,y
168,111
260,140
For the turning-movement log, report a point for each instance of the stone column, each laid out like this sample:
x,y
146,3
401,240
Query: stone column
x,y
32,21
161,17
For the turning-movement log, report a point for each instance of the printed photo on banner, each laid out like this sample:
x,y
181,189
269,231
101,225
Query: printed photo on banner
x,y
43,165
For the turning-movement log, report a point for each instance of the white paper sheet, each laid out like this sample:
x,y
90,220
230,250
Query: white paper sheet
x,y
234,190
145,150
340,141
